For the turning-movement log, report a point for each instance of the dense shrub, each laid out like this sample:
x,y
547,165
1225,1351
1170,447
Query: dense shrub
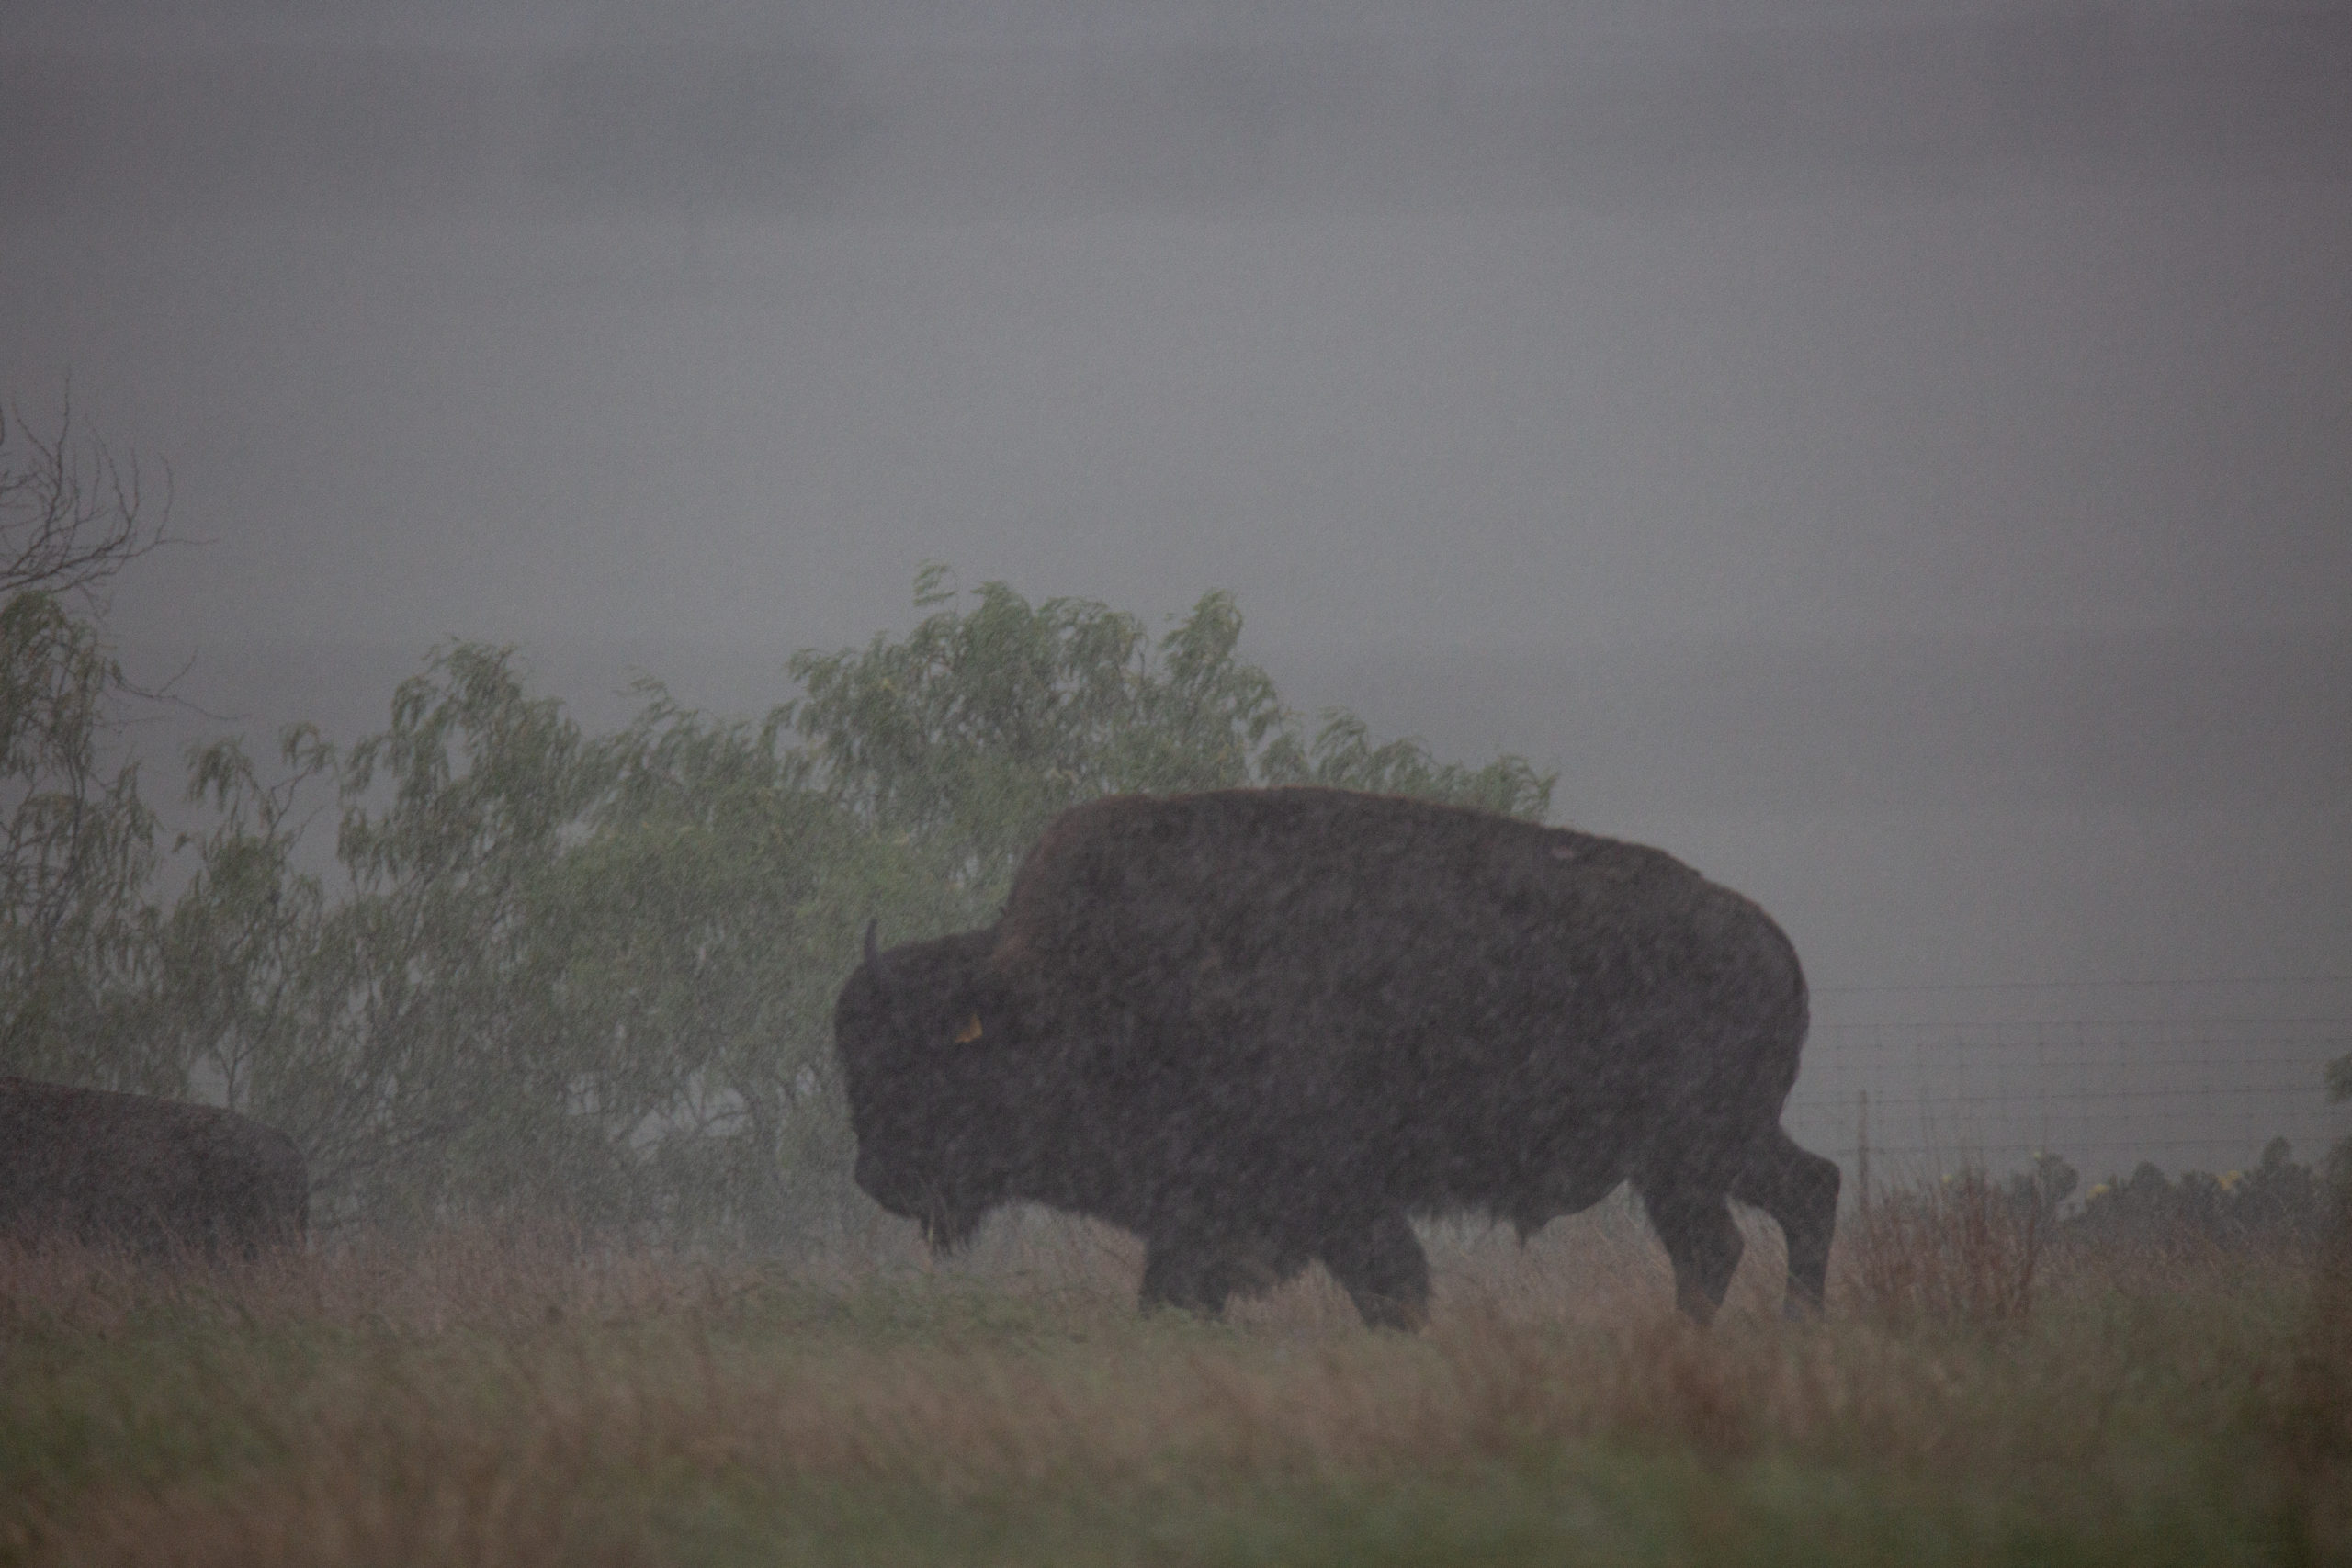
x,y
2279,1202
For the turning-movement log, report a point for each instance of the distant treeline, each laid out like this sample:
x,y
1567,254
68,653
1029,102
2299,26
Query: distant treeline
x,y
2280,1203
582,976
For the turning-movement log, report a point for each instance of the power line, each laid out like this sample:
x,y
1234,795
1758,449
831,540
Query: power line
x,y
2200,1020
2087,985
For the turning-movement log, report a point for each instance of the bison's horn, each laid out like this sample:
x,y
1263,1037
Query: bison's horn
x,y
873,949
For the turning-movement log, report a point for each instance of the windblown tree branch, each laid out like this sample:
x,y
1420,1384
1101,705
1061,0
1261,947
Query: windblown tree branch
x,y
592,977
974,732
76,842
71,513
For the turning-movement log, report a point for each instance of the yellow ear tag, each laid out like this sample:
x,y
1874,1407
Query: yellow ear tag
x,y
970,1032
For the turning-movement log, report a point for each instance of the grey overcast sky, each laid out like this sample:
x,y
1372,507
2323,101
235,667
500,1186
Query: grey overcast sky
x,y
1898,456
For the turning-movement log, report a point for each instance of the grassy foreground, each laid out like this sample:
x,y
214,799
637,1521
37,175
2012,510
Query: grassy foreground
x,y
480,1398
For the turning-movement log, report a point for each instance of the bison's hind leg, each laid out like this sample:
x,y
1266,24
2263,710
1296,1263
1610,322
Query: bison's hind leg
x,y
1799,1190
1379,1262
1702,1240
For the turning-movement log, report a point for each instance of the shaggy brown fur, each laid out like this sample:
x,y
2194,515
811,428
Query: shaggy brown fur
x,y
154,1175
1264,1027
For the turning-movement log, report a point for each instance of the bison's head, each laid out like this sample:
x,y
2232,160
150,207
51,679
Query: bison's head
x,y
923,1047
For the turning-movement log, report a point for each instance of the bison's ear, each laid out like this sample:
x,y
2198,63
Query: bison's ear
x,y
969,1030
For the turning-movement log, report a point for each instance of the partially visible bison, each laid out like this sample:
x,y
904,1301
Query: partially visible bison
x,y
1264,1027
154,1176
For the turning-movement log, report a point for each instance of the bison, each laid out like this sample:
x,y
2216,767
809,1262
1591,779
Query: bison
x,y
154,1176
1260,1028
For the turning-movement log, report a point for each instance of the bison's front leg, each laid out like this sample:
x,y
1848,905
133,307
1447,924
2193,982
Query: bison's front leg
x,y
1379,1262
1186,1272
1203,1272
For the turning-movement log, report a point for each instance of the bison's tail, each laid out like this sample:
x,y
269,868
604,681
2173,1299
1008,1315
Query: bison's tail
x,y
1800,996
1784,1023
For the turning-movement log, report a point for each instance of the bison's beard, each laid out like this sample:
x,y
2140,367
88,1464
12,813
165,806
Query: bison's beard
x,y
947,1218
947,1227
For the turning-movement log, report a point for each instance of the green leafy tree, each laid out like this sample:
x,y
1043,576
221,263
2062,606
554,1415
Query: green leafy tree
x,y
235,1002
1343,756
593,977
557,974
971,734
457,1082
78,851
406,1028
76,842
584,978
963,740
701,924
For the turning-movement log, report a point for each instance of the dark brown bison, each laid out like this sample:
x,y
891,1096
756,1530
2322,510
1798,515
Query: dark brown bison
x,y
1264,1027
154,1176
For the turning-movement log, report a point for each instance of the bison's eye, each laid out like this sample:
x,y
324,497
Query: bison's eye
x,y
970,1032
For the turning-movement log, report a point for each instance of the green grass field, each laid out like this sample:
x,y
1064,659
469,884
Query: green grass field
x,y
486,1398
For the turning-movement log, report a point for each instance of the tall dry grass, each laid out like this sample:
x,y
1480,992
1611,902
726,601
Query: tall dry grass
x,y
490,1396
1955,1249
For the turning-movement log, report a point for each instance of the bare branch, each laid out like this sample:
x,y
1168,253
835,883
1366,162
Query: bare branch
x,y
71,515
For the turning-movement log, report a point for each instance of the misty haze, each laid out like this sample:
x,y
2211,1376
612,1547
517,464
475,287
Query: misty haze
x,y
710,485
